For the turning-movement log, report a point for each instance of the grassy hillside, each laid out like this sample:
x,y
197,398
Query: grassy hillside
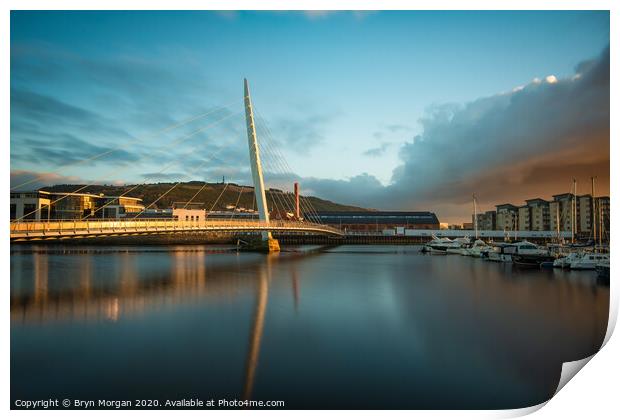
x,y
206,194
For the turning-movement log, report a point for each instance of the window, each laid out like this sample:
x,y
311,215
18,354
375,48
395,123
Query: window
x,y
13,211
30,211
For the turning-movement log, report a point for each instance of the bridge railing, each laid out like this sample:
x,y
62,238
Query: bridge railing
x,y
28,228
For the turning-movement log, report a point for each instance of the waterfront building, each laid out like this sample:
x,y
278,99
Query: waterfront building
x,y
189,212
70,206
486,220
193,215
542,215
538,214
585,214
116,207
377,221
560,210
604,205
31,205
524,217
589,215
507,217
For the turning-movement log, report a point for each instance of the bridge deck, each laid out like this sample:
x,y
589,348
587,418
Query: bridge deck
x,y
58,229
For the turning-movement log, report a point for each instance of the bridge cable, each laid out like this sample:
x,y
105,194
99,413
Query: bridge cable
x,y
275,197
218,199
311,212
195,195
178,183
179,140
237,203
309,208
276,165
123,146
151,176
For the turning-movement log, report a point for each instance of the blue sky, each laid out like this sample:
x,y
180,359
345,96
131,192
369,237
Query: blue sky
x,y
343,94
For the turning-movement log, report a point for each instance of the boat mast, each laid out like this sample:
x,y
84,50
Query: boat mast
x,y
475,216
557,221
600,221
594,212
573,211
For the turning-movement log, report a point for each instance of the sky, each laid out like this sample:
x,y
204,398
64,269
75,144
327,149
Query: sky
x,y
388,110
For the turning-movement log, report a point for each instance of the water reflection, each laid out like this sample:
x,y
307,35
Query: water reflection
x,y
381,327
257,328
94,287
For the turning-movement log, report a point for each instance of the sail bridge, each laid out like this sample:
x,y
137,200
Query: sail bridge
x,y
61,229
25,229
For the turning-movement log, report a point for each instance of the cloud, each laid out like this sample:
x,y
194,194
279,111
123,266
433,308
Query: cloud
x,y
64,149
163,176
299,133
377,151
507,147
321,14
318,14
31,180
391,130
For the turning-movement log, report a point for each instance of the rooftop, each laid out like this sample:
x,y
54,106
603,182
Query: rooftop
x,y
536,201
404,217
506,206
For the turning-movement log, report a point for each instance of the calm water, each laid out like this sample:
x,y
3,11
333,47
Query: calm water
x,y
346,327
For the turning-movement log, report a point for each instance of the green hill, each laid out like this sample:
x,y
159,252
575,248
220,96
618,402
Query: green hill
x,y
203,193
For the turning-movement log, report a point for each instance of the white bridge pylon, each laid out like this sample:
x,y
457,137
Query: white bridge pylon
x,y
255,163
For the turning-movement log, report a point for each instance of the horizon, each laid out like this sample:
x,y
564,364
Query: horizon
x,y
427,107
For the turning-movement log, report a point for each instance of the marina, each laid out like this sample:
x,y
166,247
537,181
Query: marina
x,y
525,254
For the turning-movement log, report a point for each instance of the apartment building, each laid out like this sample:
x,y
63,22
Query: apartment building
x,y
507,216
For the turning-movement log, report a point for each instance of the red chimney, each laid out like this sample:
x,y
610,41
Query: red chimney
x,y
297,201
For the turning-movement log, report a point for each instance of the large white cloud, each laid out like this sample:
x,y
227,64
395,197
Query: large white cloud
x,y
507,147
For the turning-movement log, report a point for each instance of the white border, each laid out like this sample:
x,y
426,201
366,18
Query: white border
x,y
592,395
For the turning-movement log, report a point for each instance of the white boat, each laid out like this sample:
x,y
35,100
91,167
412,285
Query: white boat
x,y
501,252
477,249
437,245
602,269
528,254
445,245
589,261
529,248
565,262
458,246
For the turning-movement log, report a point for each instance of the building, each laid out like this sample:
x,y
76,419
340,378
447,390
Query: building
x,y
534,215
507,217
604,206
44,205
486,220
560,210
33,205
118,207
525,222
564,213
377,221
538,214
592,218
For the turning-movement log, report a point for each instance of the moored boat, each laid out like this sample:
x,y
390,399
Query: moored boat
x,y
528,254
589,261
501,252
565,262
602,269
